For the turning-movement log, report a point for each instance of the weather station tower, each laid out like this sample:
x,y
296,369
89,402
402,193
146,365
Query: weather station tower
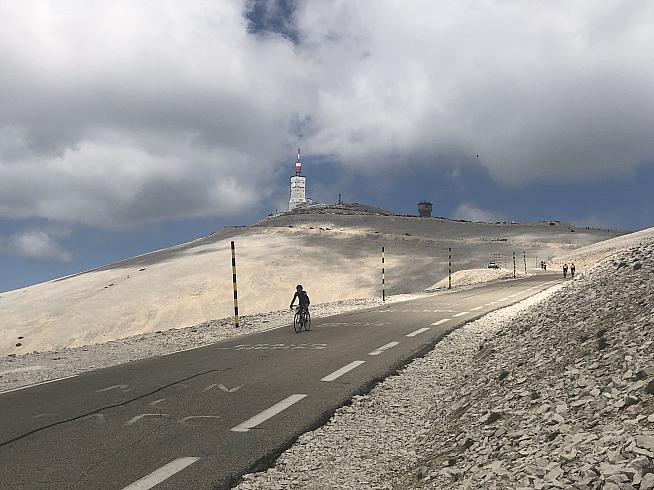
x,y
298,186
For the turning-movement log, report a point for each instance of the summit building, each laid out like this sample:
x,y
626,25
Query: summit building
x,y
298,186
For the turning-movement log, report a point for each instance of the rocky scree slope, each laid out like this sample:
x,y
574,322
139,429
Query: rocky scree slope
x,y
562,396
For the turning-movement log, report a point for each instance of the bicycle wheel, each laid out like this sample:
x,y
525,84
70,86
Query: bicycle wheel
x,y
297,322
307,321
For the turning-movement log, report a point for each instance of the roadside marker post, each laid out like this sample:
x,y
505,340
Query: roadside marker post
x,y
236,320
514,265
449,276
524,256
383,278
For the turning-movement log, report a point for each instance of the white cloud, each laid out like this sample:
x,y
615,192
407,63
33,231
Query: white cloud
x,y
121,113
469,211
35,244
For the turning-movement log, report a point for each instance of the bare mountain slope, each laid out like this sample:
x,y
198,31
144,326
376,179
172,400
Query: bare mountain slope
x,y
333,252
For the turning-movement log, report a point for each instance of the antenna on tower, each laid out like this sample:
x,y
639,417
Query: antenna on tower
x,y
298,164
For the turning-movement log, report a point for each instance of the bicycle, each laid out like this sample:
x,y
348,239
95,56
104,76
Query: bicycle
x,y
302,319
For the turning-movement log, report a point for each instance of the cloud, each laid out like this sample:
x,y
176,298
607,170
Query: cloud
x,y
118,114
34,244
549,91
471,212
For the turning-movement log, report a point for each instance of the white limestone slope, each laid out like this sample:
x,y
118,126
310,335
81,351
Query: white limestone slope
x,y
587,256
333,253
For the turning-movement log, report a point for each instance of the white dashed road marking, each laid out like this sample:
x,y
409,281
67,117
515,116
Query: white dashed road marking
x,y
268,413
383,348
417,332
476,308
161,474
440,322
461,314
152,404
502,299
340,372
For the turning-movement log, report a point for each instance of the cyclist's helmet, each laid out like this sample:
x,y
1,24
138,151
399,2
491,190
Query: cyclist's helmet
x,y
299,287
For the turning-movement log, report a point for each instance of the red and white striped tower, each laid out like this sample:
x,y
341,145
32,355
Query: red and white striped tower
x,y
298,164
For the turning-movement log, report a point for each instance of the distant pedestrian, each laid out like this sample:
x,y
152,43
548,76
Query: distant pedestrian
x,y
565,270
572,270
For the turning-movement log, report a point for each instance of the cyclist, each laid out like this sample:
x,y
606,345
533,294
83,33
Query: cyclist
x,y
302,298
565,270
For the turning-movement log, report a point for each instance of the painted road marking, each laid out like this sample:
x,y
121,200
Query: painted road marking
x,y
273,346
417,332
502,299
340,372
185,419
440,322
210,387
97,416
476,308
161,474
383,348
114,387
489,304
139,417
229,390
522,292
513,295
37,384
152,404
268,413
353,324
461,314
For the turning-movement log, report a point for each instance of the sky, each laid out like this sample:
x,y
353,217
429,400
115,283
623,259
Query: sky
x,y
127,127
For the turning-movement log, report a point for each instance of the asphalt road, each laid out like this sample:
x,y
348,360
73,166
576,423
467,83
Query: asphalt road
x,y
203,417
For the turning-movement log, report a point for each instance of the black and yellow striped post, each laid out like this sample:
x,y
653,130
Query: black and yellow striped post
x,y
449,265
236,320
514,265
383,277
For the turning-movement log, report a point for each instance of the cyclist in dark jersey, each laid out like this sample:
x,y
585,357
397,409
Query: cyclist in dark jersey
x,y
302,298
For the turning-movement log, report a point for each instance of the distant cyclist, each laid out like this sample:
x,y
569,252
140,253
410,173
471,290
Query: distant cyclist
x,y
302,298
565,270
572,270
